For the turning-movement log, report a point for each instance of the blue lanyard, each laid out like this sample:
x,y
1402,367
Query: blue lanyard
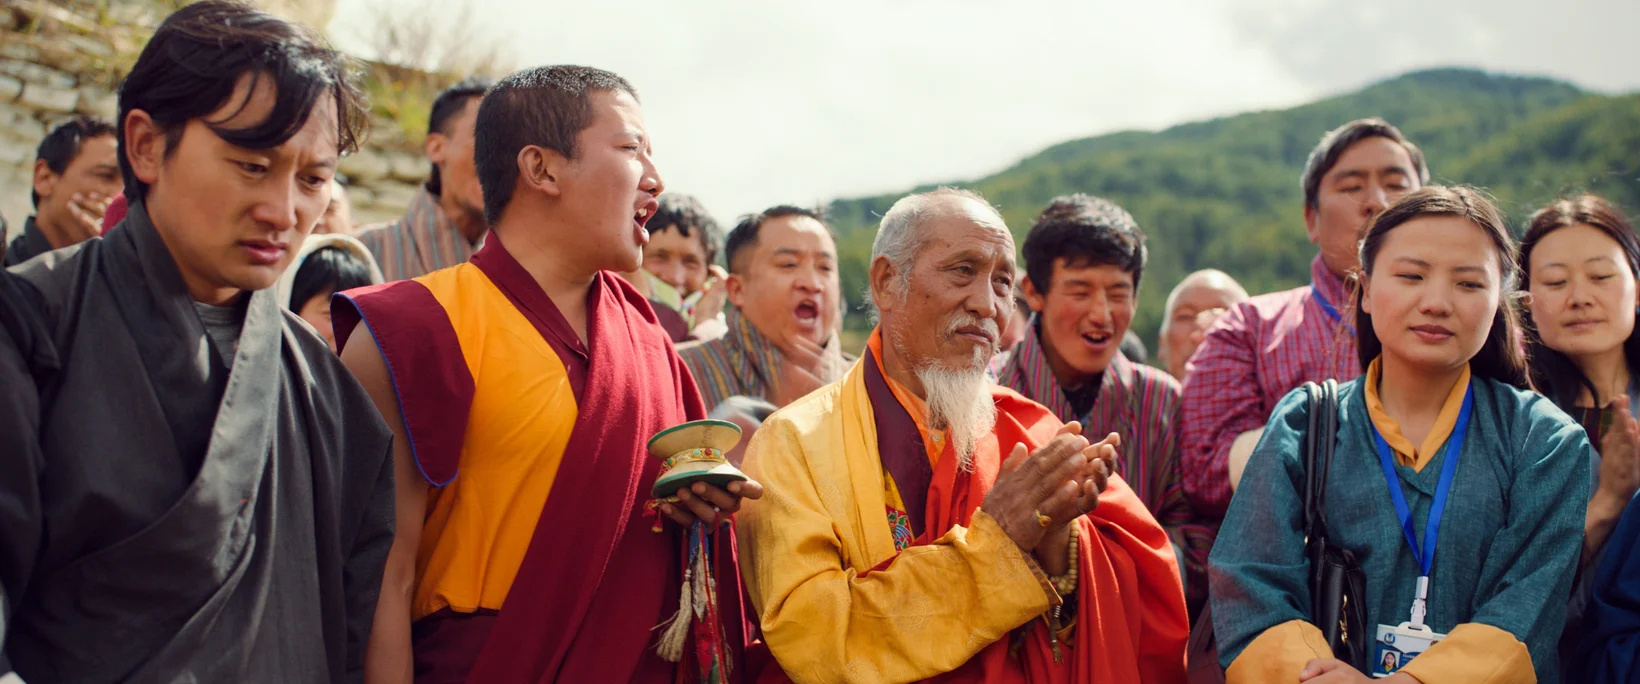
x,y
1425,556
1328,308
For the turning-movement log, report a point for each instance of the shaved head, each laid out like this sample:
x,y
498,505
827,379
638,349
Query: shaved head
x,y
1211,279
1187,316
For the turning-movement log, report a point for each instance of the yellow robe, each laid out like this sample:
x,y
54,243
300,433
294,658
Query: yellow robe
x,y
814,555
820,525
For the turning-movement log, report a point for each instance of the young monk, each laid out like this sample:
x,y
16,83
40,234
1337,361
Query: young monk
x,y
1440,416
522,388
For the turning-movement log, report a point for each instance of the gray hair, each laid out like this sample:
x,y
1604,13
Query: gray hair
x,y
900,235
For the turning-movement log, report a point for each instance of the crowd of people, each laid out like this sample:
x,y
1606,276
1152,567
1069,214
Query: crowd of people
x,y
242,439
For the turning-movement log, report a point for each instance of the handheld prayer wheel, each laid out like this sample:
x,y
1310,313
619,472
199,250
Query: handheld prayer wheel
x,y
694,452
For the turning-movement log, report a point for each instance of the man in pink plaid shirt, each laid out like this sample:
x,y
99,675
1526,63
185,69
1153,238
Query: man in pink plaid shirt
x,y
1268,345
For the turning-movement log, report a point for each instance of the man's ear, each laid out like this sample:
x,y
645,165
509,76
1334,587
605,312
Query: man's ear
x,y
1033,297
885,284
735,287
45,180
1312,220
541,169
434,147
144,146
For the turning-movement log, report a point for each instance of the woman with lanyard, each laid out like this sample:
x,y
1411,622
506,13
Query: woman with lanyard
x,y
1582,262
1460,494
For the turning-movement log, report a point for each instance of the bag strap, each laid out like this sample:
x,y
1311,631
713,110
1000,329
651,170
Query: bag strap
x,y
1319,442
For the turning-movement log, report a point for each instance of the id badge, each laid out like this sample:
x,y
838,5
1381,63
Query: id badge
x,y
1398,645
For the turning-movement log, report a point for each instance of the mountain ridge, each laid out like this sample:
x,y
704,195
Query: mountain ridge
x,y
1224,192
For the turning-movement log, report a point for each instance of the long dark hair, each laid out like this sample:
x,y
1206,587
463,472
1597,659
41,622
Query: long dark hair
x,y
1553,373
1500,358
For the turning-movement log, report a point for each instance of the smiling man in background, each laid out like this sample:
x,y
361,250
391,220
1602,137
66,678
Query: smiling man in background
x,y
1083,262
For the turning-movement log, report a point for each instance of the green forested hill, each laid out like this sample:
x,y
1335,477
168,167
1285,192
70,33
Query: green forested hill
x,y
1224,193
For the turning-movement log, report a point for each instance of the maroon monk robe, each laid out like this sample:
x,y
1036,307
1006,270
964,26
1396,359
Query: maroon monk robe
x,y
595,580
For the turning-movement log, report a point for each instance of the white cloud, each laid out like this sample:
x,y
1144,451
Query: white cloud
x,y
1340,45
754,103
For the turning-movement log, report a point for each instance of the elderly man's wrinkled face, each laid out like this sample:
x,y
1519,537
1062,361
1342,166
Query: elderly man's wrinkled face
x,y
958,294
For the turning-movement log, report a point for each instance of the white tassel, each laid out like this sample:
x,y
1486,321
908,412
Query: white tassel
x,y
670,646
702,592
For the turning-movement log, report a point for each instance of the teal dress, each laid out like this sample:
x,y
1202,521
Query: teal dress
x,y
1508,544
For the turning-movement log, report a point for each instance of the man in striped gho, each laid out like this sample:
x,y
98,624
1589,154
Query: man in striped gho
x,y
444,225
1083,260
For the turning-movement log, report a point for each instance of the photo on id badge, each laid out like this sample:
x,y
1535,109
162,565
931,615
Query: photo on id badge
x,y
1398,645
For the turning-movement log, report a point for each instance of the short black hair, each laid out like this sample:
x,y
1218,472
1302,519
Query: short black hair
x,y
546,107
327,269
688,215
189,68
446,106
744,234
62,145
1333,145
1085,231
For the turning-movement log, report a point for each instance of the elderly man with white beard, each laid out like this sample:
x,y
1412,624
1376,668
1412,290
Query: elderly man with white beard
x,y
921,522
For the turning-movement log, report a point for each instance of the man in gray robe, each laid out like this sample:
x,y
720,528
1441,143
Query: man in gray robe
x,y
192,487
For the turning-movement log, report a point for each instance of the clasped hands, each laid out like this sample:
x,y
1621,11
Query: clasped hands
x,y
1038,493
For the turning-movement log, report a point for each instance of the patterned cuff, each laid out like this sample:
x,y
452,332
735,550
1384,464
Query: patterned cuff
x,y
984,525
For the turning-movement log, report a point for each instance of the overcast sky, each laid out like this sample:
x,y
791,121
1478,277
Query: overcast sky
x,y
759,102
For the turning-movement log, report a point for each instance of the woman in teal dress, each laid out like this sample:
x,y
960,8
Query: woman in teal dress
x,y
1443,398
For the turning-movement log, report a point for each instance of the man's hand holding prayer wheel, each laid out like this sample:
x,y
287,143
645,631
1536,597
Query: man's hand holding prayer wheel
x,y
711,505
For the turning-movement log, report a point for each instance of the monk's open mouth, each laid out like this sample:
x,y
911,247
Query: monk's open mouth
x,y
640,218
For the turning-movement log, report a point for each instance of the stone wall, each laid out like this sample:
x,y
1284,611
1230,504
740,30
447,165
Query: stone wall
x,y
62,58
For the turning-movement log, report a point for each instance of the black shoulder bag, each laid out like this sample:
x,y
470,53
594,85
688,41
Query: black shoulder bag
x,y
1337,584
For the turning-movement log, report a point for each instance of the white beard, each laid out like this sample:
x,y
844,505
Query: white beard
x,y
960,400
